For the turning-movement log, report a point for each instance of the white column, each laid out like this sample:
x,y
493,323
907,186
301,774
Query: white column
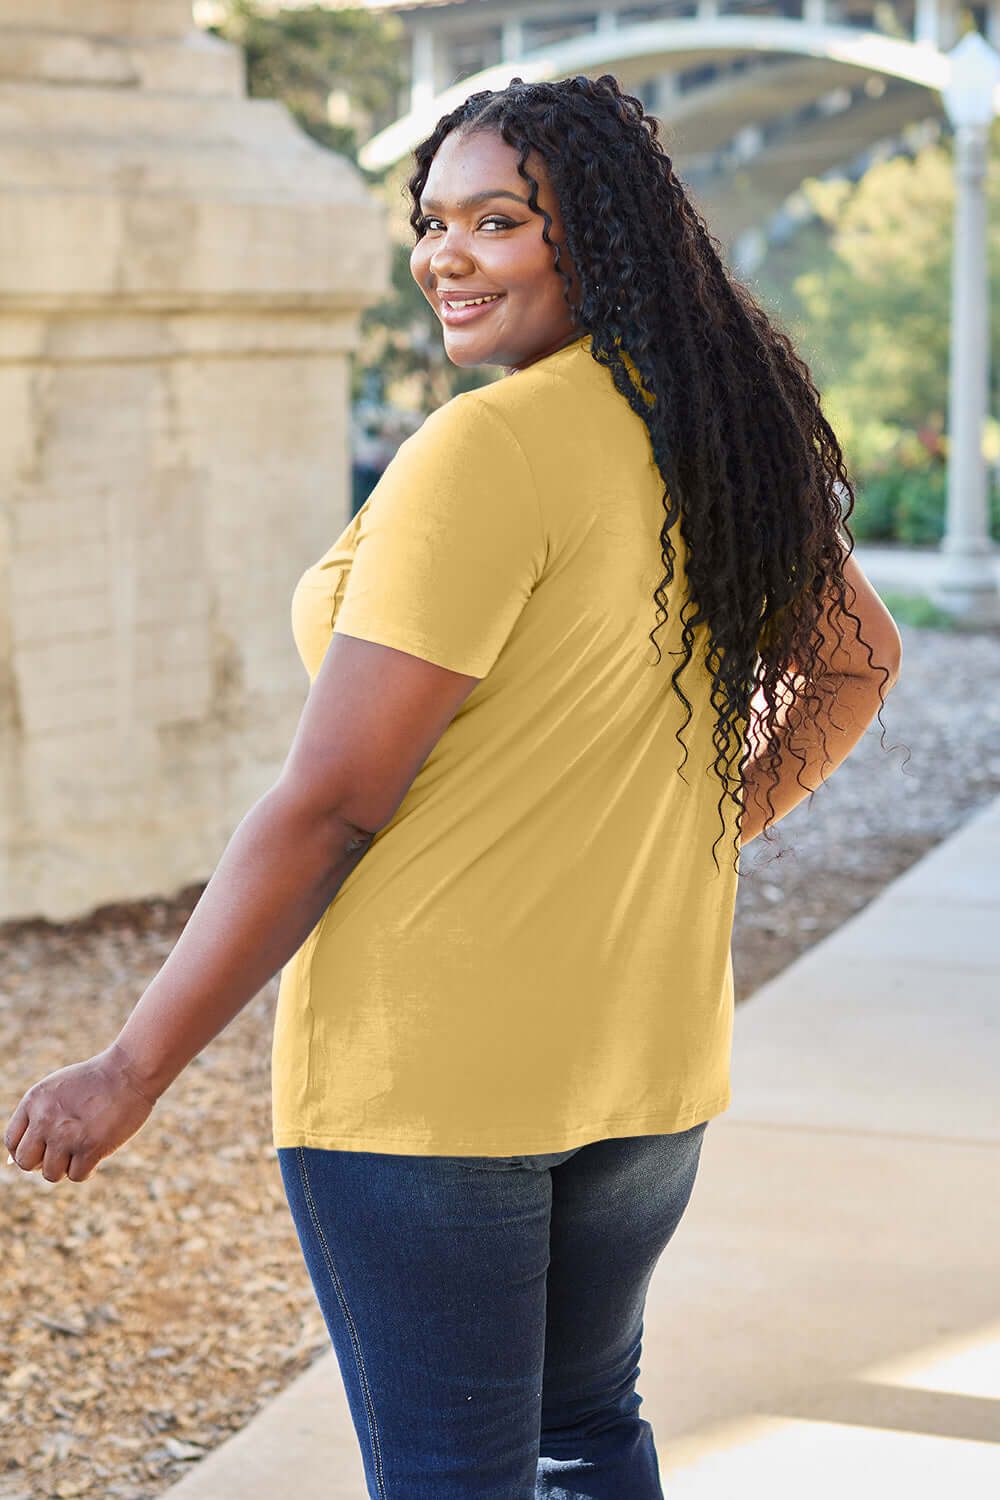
x,y
748,250
993,24
667,92
708,10
747,142
967,582
948,24
814,12
511,39
925,23
607,20
422,88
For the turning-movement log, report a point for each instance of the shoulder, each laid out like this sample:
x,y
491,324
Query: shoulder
x,y
464,465
523,415
514,426
479,411
473,436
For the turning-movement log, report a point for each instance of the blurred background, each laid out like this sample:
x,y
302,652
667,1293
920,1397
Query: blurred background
x,y
210,348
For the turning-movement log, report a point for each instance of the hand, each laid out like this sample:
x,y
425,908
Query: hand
x,y
73,1118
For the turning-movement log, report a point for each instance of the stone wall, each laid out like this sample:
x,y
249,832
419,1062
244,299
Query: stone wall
x,y
181,274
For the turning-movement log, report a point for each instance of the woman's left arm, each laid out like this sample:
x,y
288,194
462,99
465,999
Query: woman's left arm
x,y
372,717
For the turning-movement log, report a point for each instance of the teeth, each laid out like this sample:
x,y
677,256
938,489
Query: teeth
x,y
473,301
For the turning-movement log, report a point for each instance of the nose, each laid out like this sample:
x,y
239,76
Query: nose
x,y
445,255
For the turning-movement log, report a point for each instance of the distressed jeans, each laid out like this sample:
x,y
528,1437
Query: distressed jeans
x,y
487,1311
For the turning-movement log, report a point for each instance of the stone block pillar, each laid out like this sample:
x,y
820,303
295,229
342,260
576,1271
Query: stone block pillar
x,y
181,277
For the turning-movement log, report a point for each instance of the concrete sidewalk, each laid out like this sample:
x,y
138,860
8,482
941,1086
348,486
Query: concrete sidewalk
x,y
826,1321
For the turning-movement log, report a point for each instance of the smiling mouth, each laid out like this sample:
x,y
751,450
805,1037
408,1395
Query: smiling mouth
x,y
468,312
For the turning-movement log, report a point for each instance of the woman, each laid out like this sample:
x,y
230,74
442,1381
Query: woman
x,y
490,864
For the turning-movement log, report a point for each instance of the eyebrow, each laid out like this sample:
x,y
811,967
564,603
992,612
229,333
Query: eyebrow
x,y
426,203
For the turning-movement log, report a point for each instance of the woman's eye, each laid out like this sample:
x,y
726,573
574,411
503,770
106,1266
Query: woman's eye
x,y
493,219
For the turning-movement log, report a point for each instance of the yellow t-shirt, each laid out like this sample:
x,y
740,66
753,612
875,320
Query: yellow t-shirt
x,y
535,952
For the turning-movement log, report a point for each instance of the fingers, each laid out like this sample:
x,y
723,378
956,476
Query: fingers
x,y
16,1126
58,1163
69,1121
55,1161
81,1167
30,1150
34,1145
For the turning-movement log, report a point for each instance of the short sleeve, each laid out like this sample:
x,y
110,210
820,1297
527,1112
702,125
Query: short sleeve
x,y
450,542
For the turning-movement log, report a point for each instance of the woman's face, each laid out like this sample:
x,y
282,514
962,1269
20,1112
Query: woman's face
x,y
494,245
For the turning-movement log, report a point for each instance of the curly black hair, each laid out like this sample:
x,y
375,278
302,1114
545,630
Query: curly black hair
x,y
754,475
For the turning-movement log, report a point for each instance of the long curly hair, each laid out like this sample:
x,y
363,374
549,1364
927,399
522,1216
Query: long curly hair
x,y
753,473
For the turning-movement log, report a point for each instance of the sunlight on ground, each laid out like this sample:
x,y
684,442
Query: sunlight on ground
x,y
967,1366
785,1458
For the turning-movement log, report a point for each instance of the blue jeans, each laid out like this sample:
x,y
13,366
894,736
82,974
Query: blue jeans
x,y
487,1311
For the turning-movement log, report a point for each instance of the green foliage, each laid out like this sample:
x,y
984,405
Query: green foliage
x,y
909,505
302,55
864,290
901,505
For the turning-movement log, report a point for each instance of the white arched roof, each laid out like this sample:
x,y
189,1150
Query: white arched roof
x,y
659,45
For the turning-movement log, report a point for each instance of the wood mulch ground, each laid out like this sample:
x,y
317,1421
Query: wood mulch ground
x,y
146,1315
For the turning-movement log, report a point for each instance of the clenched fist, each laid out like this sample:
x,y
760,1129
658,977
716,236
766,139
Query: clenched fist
x,y
70,1120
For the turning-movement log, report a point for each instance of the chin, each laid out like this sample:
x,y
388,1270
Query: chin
x,y
465,359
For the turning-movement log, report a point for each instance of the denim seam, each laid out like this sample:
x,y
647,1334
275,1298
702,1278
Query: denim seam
x,y
369,1404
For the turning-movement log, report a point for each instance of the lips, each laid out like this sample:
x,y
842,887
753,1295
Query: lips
x,y
460,294
454,316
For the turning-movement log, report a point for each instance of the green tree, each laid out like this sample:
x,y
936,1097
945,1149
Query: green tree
x,y
865,290
302,55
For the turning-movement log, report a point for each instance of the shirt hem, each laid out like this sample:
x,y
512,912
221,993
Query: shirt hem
x,y
662,1123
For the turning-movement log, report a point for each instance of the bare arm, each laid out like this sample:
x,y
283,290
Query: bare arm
x,y
372,718
851,700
